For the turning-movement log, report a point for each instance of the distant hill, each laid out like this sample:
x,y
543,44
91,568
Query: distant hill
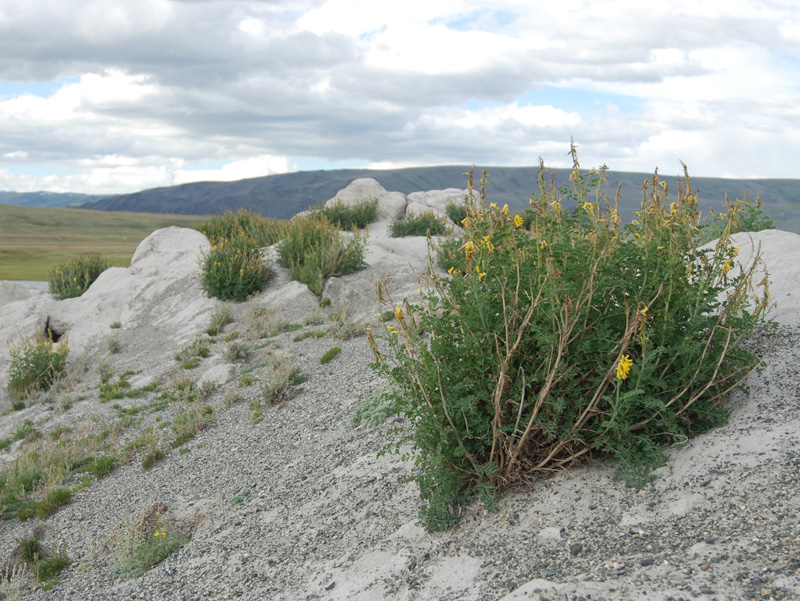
x,y
46,199
283,195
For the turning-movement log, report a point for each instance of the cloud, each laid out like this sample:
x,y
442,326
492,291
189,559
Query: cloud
x,y
174,86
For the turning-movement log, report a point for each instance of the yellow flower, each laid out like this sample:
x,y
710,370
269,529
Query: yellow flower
x,y
465,222
544,244
480,273
451,270
643,312
398,312
493,205
727,266
734,251
518,221
589,208
469,249
504,210
624,367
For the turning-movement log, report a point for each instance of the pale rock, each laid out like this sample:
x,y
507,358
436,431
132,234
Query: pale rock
x,y
434,201
391,205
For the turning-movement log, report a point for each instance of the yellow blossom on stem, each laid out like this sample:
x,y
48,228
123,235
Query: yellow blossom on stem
x,y
469,249
624,367
504,210
518,221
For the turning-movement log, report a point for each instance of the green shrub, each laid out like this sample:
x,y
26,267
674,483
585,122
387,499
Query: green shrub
x,y
330,354
315,250
233,269
739,216
74,277
457,212
375,408
35,365
347,217
574,336
261,231
219,319
418,225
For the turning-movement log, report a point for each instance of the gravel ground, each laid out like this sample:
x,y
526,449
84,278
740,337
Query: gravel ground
x,y
325,518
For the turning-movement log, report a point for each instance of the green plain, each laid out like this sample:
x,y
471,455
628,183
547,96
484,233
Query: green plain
x,y
34,240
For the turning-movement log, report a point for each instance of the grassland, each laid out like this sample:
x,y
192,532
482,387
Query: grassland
x,y
34,240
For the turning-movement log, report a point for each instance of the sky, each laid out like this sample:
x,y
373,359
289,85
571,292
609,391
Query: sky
x,y
114,96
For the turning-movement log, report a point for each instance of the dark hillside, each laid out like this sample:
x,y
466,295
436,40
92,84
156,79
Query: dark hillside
x,y
283,195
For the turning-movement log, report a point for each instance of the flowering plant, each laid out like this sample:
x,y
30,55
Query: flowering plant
x,y
568,336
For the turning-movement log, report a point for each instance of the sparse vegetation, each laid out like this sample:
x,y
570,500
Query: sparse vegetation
x,y
314,250
73,278
375,408
35,365
330,354
219,319
347,217
141,542
418,225
344,328
282,378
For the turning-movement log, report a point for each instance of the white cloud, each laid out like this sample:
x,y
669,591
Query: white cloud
x,y
156,87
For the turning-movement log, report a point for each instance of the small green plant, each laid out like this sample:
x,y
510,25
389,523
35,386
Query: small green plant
x,y
347,217
199,348
113,346
281,381
315,318
35,365
240,496
234,269
116,325
575,335
330,354
102,466
314,250
236,350
344,328
262,322
256,414
314,334
114,390
262,231
739,216
418,225
457,212
378,406
73,278
219,319
141,542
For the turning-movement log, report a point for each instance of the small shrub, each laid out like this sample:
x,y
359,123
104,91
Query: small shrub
x,y
418,225
236,350
102,466
282,378
219,319
233,269
330,354
198,348
262,322
739,216
142,542
315,318
347,217
344,328
113,346
573,336
457,212
35,365
375,408
73,278
116,325
315,250
262,231
314,334
241,496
